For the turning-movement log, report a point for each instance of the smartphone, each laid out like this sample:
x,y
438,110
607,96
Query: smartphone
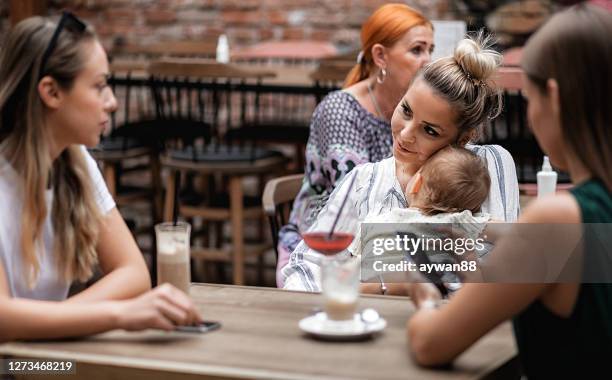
x,y
201,328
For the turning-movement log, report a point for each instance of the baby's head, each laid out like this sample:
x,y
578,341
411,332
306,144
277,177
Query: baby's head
x,y
451,180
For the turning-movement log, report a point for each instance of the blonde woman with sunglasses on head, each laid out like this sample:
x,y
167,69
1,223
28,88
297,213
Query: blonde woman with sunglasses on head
x,y
57,218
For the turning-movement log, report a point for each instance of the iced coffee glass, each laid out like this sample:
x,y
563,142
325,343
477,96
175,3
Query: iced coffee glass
x,y
340,281
173,254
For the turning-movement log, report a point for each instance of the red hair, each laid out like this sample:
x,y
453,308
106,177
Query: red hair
x,y
387,25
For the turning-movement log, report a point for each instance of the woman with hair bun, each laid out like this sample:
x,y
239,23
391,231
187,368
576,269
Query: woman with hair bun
x,y
448,103
353,126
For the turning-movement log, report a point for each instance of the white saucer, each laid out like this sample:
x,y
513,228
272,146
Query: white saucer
x,y
320,326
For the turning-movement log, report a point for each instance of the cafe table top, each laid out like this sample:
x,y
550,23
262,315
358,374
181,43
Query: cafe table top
x,y
284,75
260,339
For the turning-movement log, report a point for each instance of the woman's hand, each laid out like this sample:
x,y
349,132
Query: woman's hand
x,y
423,294
393,289
163,308
370,288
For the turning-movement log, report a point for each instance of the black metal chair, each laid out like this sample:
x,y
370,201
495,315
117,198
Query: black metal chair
x,y
130,149
130,138
281,114
196,103
330,76
511,131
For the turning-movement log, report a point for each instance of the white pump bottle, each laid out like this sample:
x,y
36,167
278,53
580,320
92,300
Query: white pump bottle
x,y
547,179
223,55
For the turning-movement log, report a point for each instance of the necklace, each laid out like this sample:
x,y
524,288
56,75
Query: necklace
x,y
373,98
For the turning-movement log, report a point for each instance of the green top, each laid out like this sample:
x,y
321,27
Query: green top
x,y
551,346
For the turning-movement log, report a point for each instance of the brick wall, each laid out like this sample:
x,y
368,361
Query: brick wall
x,y
245,21
137,22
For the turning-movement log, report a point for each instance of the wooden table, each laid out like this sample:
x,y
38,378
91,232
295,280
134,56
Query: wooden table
x,y
282,74
260,339
288,51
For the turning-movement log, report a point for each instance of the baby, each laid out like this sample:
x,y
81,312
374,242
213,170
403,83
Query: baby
x,y
453,183
448,191
450,187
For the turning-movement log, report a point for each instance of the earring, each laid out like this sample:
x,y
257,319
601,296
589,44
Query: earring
x,y
384,75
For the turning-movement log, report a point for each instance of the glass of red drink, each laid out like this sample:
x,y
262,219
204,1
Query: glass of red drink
x,y
334,228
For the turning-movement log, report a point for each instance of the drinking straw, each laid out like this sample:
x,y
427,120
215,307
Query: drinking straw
x,y
348,191
177,183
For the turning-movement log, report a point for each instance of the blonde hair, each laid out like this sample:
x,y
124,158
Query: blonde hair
x,y
454,179
465,81
387,25
24,139
574,48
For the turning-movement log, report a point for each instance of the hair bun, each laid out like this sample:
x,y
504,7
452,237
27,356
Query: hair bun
x,y
476,59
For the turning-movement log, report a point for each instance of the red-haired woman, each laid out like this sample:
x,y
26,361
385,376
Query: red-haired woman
x,y
352,126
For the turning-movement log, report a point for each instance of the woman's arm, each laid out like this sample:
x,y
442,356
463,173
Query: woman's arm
x,y
125,272
335,146
494,230
22,319
303,271
437,336
336,139
503,200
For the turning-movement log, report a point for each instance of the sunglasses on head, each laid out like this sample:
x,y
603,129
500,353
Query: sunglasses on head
x,y
68,21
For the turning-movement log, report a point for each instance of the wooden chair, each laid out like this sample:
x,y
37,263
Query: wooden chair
x,y
277,201
194,99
